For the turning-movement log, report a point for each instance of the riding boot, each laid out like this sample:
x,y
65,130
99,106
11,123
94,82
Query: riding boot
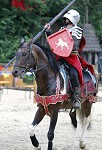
x,y
76,98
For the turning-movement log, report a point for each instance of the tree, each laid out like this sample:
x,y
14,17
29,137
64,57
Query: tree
x,y
16,23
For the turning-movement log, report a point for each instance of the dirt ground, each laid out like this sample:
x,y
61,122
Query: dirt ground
x,y
17,113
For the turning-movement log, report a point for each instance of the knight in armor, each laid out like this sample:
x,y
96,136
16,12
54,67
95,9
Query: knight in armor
x,y
75,61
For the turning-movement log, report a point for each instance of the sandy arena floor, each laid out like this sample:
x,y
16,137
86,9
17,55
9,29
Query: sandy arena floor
x,y
17,113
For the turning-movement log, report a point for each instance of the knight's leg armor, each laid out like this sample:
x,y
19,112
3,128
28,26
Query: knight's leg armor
x,y
76,91
76,97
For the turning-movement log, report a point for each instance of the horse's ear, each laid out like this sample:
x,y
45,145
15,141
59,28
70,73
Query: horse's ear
x,y
22,40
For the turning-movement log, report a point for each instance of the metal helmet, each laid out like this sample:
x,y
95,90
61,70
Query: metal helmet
x,y
73,16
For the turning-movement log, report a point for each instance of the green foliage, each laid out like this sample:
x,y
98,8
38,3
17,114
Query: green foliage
x,y
15,23
29,79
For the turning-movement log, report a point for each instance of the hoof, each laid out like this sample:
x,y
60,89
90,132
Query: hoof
x,y
82,145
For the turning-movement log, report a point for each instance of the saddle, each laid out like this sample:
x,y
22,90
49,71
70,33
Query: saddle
x,y
90,83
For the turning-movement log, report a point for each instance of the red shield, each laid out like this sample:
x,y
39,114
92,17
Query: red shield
x,y
61,42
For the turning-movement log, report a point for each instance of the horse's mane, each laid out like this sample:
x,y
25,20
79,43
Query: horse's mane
x,y
51,57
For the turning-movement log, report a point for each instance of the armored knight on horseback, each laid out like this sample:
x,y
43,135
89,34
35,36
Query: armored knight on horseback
x,y
41,61
75,61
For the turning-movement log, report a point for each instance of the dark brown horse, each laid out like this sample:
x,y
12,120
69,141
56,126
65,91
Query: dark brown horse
x,y
51,95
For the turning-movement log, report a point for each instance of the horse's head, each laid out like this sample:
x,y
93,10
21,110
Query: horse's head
x,y
40,60
24,60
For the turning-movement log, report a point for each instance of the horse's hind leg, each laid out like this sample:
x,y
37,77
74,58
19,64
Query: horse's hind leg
x,y
85,118
37,119
74,127
53,121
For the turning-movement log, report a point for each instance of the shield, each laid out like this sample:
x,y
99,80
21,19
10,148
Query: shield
x,y
61,42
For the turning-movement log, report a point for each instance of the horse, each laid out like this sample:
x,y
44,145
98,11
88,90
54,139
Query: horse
x,y
51,96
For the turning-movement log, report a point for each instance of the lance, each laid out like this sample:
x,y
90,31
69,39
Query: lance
x,y
50,23
10,62
53,20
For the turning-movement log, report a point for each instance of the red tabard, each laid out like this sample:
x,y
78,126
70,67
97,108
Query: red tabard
x,y
78,62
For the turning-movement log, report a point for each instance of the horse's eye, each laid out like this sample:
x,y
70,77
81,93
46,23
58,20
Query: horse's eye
x,y
24,53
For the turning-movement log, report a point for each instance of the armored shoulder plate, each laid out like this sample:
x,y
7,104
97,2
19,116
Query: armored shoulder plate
x,y
77,32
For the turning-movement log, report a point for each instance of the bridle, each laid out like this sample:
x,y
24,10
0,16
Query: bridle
x,y
29,54
27,68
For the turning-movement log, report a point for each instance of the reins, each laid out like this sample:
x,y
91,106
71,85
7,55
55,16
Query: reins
x,y
38,69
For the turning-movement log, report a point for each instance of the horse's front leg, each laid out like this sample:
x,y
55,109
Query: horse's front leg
x,y
37,119
53,121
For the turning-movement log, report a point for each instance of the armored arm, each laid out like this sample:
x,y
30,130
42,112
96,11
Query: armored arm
x,y
48,32
77,33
